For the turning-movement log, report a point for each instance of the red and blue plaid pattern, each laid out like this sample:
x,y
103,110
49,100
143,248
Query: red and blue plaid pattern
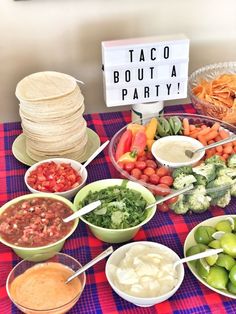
x,y
166,228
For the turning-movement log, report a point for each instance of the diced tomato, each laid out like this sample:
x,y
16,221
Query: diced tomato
x,y
53,177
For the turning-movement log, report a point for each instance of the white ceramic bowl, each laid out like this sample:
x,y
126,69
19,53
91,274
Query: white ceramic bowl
x,y
178,138
69,194
119,254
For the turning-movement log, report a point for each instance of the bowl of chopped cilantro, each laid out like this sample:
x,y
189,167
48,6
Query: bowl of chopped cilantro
x,y
122,212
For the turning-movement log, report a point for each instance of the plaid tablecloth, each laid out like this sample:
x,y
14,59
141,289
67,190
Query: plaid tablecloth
x,y
166,228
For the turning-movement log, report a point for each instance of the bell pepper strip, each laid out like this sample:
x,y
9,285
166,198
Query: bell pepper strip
x,y
151,128
128,157
139,143
124,144
135,127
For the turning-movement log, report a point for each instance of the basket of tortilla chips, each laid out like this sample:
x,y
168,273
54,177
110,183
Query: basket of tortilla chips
x,y
212,90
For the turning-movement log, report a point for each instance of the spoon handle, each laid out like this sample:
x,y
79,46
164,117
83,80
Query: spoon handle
x,y
95,153
198,256
85,210
91,263
167,197
225,141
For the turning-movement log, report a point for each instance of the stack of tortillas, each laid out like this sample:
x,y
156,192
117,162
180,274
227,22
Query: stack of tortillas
x,y
51,110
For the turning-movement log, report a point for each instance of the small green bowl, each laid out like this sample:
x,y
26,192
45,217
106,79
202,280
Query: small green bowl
x,y
115,235
41,253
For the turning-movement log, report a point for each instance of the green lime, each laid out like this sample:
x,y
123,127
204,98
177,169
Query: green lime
x,y
202,268
223,225
231,288
228,244
203,234
195,249
232,275
211,260
215,244
226,261
217,277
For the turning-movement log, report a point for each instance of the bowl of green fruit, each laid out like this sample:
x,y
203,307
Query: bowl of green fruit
x,y
217,272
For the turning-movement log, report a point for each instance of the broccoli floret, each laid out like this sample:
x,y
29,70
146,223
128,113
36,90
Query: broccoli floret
x,y
233,189
219,187
206,170
200,180
231,161
230,172
198,201
222,201
182,170
180,206
215,160
183,181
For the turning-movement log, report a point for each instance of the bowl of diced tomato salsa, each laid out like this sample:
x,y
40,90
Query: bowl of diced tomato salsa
x,y
32,225
61,176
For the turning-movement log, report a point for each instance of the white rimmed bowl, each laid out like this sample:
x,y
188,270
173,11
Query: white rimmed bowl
x,y
178,139
119,254
46,251
69,194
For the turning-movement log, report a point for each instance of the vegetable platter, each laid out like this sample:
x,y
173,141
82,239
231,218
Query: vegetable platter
x,y
214,177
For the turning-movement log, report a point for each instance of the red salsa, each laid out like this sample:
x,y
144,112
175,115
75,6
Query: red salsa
x,y
54,177
35,222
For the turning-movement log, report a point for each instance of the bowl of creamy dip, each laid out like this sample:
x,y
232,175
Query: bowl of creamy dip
x,y
143,273
170,151
40,288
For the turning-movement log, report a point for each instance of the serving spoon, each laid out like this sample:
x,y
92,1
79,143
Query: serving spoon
x,y
197,256
91,263
97,151
84,210
169,196
191,153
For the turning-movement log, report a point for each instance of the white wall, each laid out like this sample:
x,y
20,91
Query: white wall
x,y
65,35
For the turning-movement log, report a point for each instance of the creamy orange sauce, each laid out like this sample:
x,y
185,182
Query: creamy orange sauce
x,y
43,287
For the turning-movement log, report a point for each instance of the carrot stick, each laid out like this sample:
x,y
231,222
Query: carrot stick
x,y
219,149
204,131
228,150
215,126
186,126
211,135
218,138
204,126
223,134
192,127
202,139
210,142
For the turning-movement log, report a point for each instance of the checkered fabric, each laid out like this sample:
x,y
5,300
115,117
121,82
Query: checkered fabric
x,y
165,228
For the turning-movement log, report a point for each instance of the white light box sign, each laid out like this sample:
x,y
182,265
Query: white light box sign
x,y
143,70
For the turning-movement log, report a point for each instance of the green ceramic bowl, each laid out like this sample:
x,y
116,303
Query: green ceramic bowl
x,y
41,253
115,235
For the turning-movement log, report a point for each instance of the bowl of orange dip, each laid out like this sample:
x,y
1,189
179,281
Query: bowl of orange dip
x,y
39,287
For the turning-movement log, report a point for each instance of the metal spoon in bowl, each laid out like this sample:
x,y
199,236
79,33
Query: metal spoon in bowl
x,y
190,153
197,256
169,196
97,151
91,263
84,210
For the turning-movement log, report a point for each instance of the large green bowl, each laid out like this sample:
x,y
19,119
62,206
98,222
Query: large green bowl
x,y
41,253
115,235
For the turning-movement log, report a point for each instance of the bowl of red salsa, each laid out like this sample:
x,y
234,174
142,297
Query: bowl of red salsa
x,y
60,176
32,224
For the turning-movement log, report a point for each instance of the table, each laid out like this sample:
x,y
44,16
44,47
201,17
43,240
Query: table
x,y
166,228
